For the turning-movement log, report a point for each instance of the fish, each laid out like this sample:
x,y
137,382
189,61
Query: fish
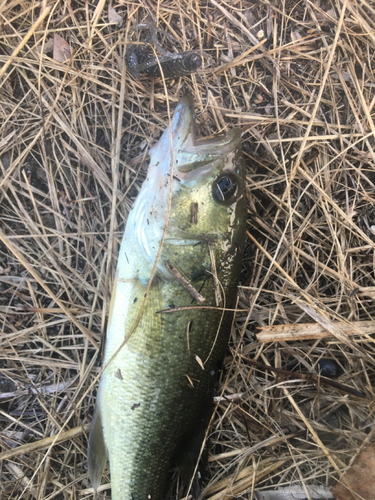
x,y
168,327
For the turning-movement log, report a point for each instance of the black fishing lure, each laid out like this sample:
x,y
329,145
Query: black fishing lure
x,y
140,59
140,62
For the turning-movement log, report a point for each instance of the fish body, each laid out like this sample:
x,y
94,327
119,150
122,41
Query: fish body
x,y
159,367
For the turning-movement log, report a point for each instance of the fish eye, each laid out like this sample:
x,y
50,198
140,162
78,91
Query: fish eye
x,y
225,189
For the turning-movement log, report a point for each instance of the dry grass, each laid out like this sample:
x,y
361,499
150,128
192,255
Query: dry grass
x,y
298,78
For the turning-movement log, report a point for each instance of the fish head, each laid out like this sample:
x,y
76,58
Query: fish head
x,y
204,206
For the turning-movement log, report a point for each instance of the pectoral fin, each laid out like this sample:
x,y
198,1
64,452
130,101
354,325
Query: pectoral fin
x,y
96,453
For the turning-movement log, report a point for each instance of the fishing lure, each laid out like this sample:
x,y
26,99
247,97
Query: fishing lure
x,y
140,60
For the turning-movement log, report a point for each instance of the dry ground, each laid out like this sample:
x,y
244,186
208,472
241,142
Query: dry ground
x,y
298,77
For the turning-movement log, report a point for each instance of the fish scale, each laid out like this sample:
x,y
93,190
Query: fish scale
x,y
163,397
154,391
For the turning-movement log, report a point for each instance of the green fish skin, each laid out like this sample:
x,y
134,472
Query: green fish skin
x,y
153,392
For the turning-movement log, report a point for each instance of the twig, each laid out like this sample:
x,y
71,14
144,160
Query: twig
x,y
45,443
308,331
184,282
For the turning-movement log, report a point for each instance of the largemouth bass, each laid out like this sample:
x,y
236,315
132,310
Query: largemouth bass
x,y
160,366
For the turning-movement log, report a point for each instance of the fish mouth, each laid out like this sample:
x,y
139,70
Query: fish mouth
x,y
187,152
194,154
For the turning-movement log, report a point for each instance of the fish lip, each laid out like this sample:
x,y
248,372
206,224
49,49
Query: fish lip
x,y
184,118
181,127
